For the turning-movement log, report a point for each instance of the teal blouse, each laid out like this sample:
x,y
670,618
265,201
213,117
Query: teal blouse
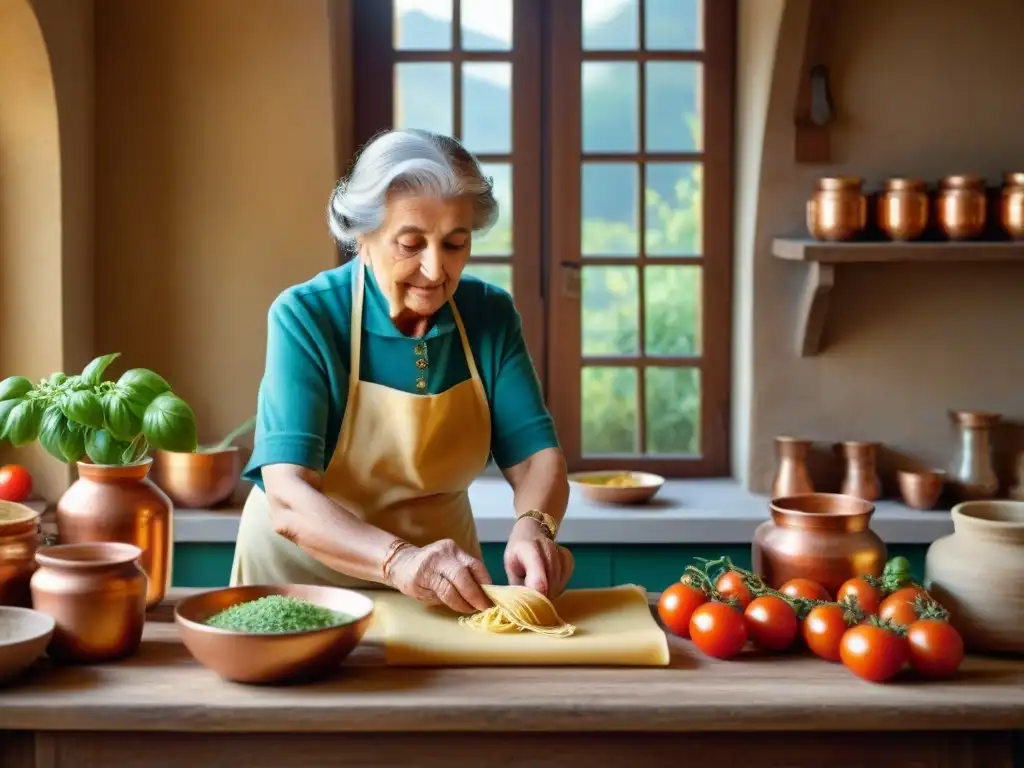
x,y
305,385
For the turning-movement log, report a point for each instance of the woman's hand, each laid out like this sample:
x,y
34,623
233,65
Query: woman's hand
x,y
440,573
533,560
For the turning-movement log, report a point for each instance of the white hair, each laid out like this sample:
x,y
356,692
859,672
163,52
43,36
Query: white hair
x,y
411,161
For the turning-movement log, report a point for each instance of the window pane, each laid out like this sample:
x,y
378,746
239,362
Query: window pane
x,y
674,25
423,25
423,96
487,25
608,401
609,199
674,203
610,113
487,107
672,316
674,120
495,274
673,410
498,239
611,25
610,307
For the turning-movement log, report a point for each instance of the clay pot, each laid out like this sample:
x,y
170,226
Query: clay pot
x,y
198,480
96,594
977,573
112,503
825,537
791,475
19,539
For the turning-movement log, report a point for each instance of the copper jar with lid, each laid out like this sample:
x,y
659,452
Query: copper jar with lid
x,y
960,207
19,540
903,209
1011,211
838,209
825,537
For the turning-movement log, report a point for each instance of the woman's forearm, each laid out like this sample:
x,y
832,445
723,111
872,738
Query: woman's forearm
x,y
540,482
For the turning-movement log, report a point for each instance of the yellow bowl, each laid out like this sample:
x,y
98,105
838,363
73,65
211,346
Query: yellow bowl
x,y
198,480
617,486
284,657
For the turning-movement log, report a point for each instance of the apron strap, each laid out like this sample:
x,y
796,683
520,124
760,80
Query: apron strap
x,y
474,374
356,342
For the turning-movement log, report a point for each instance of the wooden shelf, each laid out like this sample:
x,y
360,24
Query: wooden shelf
x,y
822,259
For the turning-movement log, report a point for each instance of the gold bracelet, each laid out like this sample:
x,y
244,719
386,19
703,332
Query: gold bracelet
x,y
395,547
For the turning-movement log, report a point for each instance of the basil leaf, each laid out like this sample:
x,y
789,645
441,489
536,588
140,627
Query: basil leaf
x,y
23,423
61,439
72,443
93,372
6,406
169,424
57,379
102,448
137,451
14,387
119,420
83,407
142,386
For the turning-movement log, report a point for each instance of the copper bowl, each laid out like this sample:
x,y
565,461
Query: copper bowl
x,y
24,635
285,657
921,488
198,480
593,485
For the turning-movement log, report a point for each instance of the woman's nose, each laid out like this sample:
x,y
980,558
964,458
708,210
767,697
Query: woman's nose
x,y
430,264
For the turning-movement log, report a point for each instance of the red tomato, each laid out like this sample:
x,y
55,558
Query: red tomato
x,y
15,483
731,585
676,606
805,588
899,606
771,623
823,630
718,630
936,648
873,653
868,597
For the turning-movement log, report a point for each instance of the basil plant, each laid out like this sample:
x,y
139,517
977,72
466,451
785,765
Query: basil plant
x,y
113,423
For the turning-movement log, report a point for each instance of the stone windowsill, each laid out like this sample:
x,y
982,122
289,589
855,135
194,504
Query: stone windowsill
x,y
683,512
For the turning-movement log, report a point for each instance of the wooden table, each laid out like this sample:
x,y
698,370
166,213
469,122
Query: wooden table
x,y
160,708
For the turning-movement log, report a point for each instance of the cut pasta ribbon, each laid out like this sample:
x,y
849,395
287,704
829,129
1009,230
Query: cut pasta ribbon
x,y
518,609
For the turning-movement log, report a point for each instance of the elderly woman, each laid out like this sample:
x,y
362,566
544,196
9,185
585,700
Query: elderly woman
x,y
389,383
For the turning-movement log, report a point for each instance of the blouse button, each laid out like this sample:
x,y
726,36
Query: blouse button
x,y
420,348
421,363
421,383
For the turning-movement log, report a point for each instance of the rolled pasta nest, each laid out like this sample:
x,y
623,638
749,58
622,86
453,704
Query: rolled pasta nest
x,y
518,609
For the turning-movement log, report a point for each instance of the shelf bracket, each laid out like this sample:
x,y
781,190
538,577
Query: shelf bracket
x,y
818,284
815,109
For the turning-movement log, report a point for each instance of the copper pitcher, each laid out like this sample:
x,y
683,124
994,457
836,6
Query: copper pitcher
x,y
96,593
861,476
19,539
1011,213
972,475
903,209
825,537
115,503
791,475
961,207
838,209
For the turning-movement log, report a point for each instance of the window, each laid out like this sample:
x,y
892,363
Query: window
x,y
607,128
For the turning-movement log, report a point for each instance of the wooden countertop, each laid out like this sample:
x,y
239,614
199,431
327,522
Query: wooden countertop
x,y
164,689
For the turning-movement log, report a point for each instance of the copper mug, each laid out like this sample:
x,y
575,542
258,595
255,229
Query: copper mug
x,y
838,209
903,209
1012,207
961,207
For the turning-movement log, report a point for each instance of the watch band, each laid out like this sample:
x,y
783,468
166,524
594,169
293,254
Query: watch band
x,y
547,521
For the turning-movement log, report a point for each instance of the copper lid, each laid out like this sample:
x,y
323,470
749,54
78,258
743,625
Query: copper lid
x,y
833,183
1014,179
900,184
962,181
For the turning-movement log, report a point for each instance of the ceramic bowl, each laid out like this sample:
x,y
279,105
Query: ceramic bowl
x,y
24,635
605,488
285,657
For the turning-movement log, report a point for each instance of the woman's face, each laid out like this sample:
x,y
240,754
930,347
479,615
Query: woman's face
x,y
418,253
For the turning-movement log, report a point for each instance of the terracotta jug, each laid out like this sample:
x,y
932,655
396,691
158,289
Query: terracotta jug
x,y
861,478
113,503
791,476
977,573
19,539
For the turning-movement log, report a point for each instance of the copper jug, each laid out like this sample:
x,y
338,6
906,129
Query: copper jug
x,y
791,475
838,209
903,209
961,207
1011,212
861,477
19,539
972,475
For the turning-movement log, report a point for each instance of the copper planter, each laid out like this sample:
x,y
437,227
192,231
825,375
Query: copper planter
x,y
961,207
198,480
821,536
19,539
1011,210
903,209
838,209
96,594
111,503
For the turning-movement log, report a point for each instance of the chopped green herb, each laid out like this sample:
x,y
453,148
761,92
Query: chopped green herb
x,y
276,613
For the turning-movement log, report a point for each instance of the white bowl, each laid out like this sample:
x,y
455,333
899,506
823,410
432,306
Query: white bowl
x,y
24,635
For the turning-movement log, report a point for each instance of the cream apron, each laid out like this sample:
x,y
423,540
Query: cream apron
x,y
403,463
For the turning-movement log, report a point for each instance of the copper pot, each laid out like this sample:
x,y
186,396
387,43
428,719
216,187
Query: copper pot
x,y
837,209
96,593
112,503
198,480
921,488
791,475
19,539
1012,207
821,536
903,209
972,474
861,476
960,207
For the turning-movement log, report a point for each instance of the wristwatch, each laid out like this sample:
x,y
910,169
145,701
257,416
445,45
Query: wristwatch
x,y
547,522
